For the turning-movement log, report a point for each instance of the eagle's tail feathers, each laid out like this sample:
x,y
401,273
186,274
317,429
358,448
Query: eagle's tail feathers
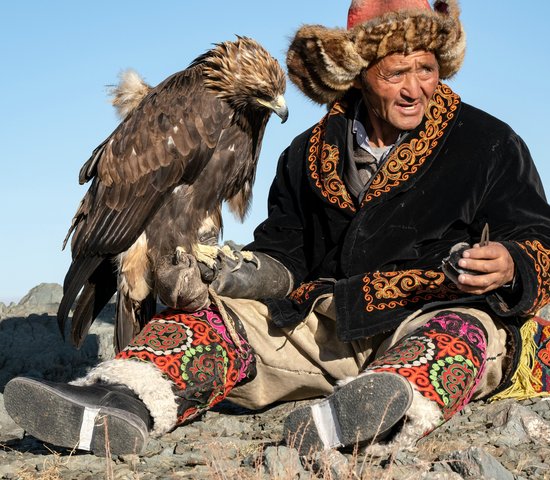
x,y
78,274
130,317
96,293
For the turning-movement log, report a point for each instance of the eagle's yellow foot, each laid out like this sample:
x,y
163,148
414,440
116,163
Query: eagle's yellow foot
x,y
206,254
210,254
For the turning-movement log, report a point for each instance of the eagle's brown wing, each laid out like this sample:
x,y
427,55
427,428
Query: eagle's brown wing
x,y
165,142
168,140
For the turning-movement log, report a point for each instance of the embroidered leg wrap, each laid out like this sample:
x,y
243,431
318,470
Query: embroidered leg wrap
x,y
444,360
195,352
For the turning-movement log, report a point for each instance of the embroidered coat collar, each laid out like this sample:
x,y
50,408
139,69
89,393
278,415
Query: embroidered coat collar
x,y
401,168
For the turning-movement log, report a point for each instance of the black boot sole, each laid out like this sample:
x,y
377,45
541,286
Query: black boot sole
x,y
363,410
55,418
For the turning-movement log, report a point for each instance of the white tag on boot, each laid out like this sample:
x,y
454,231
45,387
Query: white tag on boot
x,y
87,428
327,425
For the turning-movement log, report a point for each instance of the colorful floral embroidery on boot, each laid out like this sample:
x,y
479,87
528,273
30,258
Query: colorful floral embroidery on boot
x,y
195,352
443,359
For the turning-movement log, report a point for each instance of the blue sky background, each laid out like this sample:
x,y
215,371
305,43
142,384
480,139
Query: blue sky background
x,y
57,57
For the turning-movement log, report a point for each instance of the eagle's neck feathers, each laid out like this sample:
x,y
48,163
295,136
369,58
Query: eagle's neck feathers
x,y
241,72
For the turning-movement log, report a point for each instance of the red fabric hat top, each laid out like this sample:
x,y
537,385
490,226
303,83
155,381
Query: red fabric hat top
x,y
362,11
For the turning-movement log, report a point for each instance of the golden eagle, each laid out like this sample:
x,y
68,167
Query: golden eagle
x,y
188,145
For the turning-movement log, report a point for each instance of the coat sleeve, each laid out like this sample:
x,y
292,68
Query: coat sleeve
x,y
513,203
281,235
517,204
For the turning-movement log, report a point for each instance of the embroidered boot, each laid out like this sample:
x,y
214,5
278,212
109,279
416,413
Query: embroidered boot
x,y
103,419
178,366
362,410
443,360
423,379
198,354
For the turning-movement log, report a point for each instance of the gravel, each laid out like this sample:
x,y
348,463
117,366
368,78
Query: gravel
x,y
505,440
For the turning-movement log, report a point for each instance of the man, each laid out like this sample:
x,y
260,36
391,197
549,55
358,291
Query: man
x,y
374,267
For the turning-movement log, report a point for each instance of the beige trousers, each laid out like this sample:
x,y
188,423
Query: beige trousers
x,y
307,360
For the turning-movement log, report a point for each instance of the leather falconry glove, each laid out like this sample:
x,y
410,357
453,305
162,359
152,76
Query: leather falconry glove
x,y
245,274
179,283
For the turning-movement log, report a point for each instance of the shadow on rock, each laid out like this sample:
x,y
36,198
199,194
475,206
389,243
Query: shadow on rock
x,y
33,346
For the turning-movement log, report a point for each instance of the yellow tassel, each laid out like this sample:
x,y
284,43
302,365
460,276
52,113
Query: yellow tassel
x,y
524,383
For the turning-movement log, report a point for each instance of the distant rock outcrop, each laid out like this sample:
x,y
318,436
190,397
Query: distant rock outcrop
x,y
43,298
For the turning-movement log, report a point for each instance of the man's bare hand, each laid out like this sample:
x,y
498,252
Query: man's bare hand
x,y
494,263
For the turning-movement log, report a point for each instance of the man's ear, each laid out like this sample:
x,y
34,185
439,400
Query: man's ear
x,y
357,82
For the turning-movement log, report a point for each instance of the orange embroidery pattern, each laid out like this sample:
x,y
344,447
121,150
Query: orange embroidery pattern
x,y
336,109
325,175
301,294
410,156
543,354
541,261
383,290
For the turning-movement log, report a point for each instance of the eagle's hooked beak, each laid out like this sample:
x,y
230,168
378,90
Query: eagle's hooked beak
x,y
278,106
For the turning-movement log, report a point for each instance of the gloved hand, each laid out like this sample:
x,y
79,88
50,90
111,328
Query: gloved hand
x,y
244,274
179,284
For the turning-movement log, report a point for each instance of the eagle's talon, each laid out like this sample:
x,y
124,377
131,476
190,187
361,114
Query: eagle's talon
x,y
179,255
239,258
206,254
251,258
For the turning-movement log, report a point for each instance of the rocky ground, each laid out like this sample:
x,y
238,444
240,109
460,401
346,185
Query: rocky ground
x,y
503,440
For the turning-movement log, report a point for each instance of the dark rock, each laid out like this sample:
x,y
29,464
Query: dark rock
x,y
43,298
476,464
332,464
518,424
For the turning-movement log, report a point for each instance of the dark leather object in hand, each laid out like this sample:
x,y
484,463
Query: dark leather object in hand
x,y
449,265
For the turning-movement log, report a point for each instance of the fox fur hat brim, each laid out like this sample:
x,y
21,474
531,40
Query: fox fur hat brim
x,y
324,62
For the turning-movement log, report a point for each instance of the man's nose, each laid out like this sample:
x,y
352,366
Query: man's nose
x,y
411,86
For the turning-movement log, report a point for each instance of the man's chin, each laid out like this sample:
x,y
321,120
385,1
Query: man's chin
x,y
408,123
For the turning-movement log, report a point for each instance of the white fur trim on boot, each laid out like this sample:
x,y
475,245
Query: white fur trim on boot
x,y
146,381
421,418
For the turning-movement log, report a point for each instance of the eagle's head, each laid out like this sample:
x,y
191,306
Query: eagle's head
x,y
246,76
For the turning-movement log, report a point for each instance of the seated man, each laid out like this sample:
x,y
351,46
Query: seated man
x,y
344,286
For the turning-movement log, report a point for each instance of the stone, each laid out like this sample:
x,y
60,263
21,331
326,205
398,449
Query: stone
x,y
441,476
518,424
9,430
475,464
332,464
43,298
283,463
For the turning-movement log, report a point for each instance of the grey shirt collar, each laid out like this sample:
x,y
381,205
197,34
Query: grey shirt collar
x,y
357,136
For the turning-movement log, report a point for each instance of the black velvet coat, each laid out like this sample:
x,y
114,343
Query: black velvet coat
x,y
461,168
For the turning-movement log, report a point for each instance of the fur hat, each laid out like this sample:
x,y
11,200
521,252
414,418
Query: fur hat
x,y
324,62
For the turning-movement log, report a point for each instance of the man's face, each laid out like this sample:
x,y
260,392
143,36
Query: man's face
x,y
397,90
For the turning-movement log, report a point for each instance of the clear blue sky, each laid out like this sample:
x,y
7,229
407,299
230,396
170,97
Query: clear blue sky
x,y
57,57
